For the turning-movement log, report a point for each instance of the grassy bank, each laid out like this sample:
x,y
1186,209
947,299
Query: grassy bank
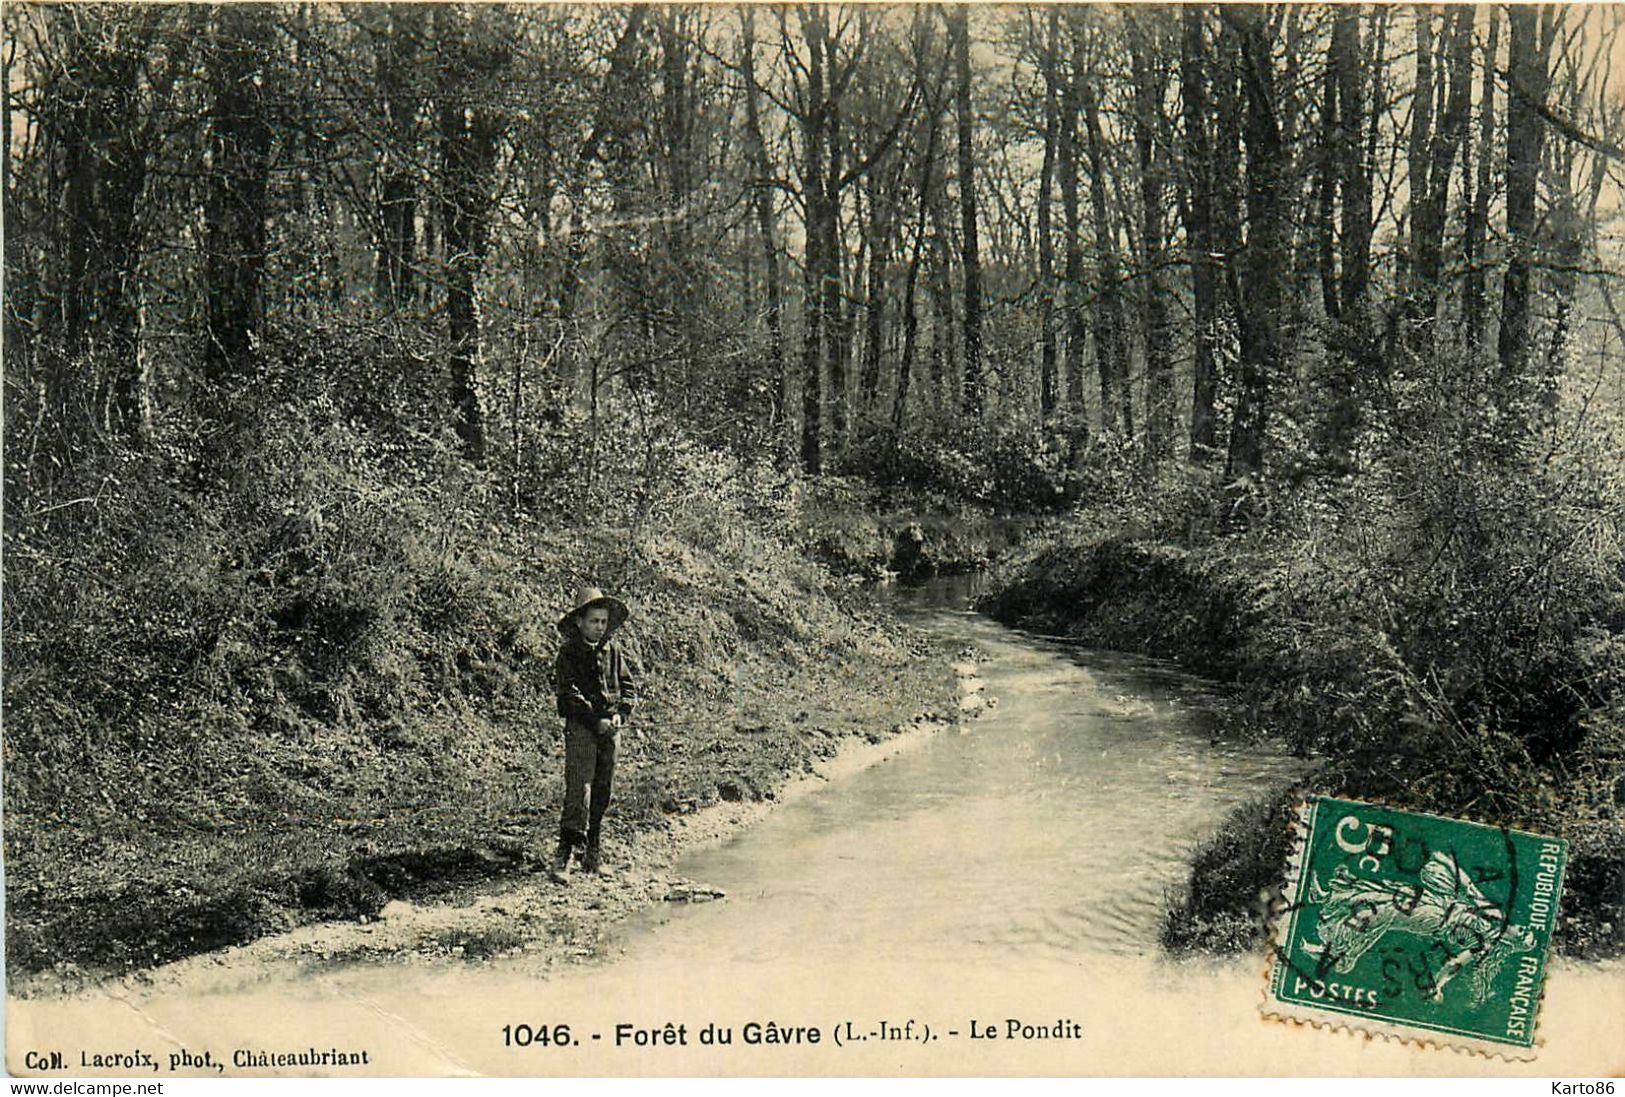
x,y
324,683
1473,670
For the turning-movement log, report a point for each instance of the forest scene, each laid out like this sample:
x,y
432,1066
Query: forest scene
x,y
342,342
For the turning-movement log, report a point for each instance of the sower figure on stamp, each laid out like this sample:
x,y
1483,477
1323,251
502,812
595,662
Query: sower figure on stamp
x,y
597,688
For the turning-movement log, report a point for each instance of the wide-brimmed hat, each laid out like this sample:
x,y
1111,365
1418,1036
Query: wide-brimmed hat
x,y
586,598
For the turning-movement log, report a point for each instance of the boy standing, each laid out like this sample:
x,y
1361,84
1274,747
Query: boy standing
x,y
596,690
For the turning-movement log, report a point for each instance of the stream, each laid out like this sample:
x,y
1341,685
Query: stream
x,y
1048,829
1009,876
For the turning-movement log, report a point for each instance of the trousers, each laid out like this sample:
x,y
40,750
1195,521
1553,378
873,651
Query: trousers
x,y
589,769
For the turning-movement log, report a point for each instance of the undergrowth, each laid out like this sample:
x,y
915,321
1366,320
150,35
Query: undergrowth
x,y
290,673
1443,632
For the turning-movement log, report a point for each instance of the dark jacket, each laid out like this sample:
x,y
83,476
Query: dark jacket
x,y
584,677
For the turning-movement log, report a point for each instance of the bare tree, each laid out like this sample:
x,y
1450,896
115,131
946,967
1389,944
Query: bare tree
x,y
1150,77
970,261
1261,294
241,139
1198,206
1533,29
1111,335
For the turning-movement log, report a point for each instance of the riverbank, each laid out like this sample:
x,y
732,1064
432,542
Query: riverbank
x,y
973,878
1304,664
524,912
367,719
468,881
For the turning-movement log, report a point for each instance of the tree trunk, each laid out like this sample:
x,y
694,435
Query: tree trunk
x,y
1356,167
1265,260
117,305
14,255
1566,231
240,152
1047,394
911,324
881,220
1228,109
397,207
1428,224
1477,218
1326,173
1417,149
1351,348
1111,338
1200,168
970,260
684,319
814,125
79,196
106,148
846,307
911,319
942,320
1159,369
1077,331
1527,84
838,325
468,137
762,201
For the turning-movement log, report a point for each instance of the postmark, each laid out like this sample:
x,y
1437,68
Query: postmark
x,y
1399,923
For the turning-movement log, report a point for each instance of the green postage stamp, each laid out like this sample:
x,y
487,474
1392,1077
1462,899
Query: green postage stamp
x,y
1417,926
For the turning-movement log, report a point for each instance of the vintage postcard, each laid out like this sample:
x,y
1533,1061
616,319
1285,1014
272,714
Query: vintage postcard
x,y
813,539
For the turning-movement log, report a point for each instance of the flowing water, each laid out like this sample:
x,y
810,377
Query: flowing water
x,y
1010,875
1051,827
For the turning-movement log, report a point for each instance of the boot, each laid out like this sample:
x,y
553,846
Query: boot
x,y
591,861
560,872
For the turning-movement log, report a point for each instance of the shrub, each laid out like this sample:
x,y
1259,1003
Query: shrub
x,y
1007,469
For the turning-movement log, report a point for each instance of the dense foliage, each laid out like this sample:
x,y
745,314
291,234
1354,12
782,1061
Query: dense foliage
x,y
1443,633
